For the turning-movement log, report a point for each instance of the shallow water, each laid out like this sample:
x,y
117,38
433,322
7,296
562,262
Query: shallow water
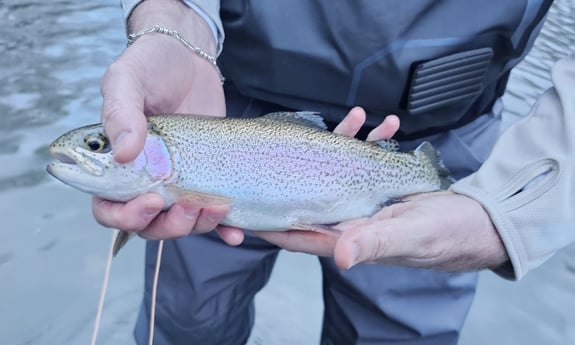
x,y
52,253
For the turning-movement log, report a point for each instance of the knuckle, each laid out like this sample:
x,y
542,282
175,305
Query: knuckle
x,y
173,226
101,213
431,248
111,110
176,232
114,70
379,248
206,225
209,219
130,224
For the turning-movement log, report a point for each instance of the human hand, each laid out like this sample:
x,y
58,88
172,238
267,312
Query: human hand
x,y
158,74
439,230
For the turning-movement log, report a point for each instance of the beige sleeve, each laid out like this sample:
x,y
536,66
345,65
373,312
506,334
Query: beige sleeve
x,y
210,9
527,185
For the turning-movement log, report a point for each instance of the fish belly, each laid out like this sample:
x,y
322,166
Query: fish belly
x,y
283,215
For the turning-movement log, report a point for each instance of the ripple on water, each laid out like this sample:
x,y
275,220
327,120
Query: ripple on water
x,y
26,179
9,144
6,258
52,56
53,53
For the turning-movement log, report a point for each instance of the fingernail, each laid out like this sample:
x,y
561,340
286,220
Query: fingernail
x,y
191,212
355,255
151,212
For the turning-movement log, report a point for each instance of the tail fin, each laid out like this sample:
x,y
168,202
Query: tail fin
x,y
427,152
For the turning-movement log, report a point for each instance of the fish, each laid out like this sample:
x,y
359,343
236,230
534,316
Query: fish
x,y
281,171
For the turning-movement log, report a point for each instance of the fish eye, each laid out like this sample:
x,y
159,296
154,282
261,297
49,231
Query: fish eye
x,y
97,142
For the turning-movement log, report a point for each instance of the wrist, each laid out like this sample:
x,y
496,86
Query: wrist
x,y
174,15
176,36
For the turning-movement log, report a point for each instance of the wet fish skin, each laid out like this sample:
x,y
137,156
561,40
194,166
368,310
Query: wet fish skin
x,y
278,172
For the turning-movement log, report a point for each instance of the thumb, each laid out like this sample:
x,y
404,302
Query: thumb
x,y
356,246
122,112
368,242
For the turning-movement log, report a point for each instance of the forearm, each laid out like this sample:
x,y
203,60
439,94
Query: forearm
x,y
527,184
175,15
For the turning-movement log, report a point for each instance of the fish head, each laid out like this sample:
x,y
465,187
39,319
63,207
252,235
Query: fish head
x,y
83,158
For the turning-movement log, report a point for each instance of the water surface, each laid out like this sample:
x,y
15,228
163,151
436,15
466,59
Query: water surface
x,y
52,56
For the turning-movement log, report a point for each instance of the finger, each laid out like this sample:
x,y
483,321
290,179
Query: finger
x,y
352,122
174,223
385,130
232,236
132,216
389,240
123,111
352,229
360,245
178,221
370,241
209,218
182,219
301,241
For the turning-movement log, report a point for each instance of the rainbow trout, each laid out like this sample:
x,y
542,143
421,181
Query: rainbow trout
x,y
277,172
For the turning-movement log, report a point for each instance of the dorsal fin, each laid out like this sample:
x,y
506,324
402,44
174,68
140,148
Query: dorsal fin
x,y
305,118
427,152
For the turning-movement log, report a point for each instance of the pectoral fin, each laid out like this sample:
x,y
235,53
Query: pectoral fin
x,y
121,239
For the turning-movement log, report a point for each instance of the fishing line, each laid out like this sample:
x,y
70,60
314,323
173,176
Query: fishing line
x,y
154,292
103,289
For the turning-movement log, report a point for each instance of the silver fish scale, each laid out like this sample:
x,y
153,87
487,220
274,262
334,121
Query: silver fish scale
x,y
285,167
280,171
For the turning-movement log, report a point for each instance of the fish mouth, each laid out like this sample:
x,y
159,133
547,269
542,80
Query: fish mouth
x,y
62,158
73,160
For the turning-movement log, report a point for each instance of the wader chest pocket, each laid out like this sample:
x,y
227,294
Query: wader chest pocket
x,y
454,80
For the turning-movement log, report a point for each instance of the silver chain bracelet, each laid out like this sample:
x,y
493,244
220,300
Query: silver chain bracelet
x,y
162,30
